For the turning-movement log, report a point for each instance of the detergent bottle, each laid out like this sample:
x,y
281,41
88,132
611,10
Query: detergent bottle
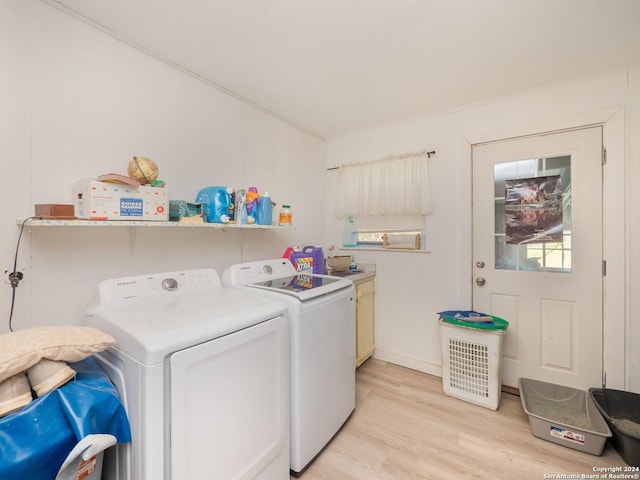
x,y
251,198
215,202
265,211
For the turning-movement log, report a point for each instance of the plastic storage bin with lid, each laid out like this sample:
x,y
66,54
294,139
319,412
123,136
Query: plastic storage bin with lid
x,y
471,344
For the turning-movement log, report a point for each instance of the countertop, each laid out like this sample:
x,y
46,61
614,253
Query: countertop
x,y
363,271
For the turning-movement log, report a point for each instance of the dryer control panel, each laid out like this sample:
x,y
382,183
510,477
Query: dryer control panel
x,y
119,290
260,271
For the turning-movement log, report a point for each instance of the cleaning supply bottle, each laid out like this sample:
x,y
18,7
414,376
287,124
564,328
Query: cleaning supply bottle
x,y
350,232
251,198
286,217
265,212
307,260
215,202
287,253
232,205
241,208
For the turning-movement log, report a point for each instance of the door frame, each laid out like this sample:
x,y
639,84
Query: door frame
x,y
615,235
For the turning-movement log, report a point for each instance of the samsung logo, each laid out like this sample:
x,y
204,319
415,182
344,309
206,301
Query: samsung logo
x,y
122,284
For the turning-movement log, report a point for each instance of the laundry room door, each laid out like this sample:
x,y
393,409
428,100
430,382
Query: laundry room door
x,y
537,253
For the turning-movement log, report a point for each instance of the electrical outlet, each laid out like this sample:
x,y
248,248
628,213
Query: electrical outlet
x,y
13,278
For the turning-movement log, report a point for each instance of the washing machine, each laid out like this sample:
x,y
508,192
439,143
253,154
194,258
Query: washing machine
x,y
202,371
321,320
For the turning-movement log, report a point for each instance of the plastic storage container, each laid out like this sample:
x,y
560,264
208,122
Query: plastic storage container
x,y
350,232
563,415
286,217
472,357
621,411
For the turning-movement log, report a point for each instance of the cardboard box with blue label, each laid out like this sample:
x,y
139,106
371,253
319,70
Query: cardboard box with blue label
x,y
118,201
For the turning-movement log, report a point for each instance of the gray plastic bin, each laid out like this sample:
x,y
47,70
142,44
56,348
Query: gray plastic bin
x,y
564,415
621,411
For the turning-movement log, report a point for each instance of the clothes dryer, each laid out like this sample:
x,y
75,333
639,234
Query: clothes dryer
x,y
203,373
321,319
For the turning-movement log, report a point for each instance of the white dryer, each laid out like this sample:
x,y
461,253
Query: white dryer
x,y
203,373
321,318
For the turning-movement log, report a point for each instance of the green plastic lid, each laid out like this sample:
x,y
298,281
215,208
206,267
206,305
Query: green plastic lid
x,y
458,318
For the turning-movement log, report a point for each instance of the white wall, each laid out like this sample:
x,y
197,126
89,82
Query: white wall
x,y
15,139
76,104
412,287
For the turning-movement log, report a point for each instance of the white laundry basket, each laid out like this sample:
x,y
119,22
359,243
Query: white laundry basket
x,y
472,363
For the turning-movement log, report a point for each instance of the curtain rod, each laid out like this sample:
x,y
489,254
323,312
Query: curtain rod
x,y
400,155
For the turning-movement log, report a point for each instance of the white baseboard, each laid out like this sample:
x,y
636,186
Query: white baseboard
x,y
408,362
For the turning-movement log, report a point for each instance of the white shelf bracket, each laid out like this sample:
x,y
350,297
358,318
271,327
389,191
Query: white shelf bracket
x,y
132,240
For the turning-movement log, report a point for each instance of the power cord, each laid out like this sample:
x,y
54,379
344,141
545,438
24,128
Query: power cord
x,y
15,277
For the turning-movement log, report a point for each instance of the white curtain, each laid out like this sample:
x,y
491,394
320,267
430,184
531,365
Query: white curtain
x,y
395,185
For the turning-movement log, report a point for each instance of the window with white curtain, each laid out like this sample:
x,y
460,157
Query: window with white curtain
x,y
387,197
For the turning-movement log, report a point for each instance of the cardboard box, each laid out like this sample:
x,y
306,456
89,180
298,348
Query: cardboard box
x,y
117,201
54,211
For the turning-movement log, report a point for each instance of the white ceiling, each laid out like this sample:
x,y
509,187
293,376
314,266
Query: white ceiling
x,y
332,66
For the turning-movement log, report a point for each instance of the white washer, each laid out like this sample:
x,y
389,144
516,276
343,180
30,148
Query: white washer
x,y
321,316
203,373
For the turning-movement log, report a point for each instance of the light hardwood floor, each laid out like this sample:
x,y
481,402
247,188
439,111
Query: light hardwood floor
x,y
405,427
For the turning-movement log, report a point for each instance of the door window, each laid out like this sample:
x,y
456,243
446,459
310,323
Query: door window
x,y
535,256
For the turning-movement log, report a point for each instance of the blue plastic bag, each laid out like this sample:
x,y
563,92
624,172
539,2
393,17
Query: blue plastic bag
x,y
35,440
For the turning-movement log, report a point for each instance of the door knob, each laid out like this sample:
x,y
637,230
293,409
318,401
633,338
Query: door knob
x,y
480,281
480,264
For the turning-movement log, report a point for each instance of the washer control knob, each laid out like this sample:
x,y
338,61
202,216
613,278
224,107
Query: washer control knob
x,y
170,284
267,269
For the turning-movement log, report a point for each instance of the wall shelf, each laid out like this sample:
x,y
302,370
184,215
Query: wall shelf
x,y
142,223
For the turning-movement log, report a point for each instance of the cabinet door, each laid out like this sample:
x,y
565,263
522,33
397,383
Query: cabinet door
x,y
365,341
